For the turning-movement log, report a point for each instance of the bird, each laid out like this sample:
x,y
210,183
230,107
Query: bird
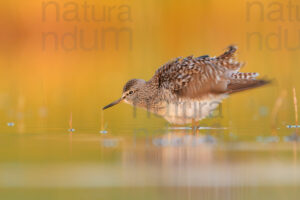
x,y
187,90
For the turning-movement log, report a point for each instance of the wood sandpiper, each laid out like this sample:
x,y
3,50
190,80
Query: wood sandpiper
x,y
189,89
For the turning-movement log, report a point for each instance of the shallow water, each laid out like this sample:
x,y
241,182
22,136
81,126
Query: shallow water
x,y
168,163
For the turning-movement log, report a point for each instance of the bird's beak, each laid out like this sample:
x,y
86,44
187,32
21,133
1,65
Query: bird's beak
x,y
113,103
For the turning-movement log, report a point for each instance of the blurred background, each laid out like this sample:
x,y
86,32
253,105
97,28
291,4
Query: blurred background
x,y
62,61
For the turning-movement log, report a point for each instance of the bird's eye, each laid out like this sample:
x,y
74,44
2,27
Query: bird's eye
x,y
131,92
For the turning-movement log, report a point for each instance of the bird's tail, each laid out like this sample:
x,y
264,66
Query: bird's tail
x,y
238,85
229,53
228,60
239,81
242,75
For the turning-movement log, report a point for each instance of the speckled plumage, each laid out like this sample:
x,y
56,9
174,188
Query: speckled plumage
x,y
190,88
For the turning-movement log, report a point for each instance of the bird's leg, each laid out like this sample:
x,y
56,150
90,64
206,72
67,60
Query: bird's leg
x,y
194,126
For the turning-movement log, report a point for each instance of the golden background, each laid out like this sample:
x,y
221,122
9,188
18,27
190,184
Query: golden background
x,y
41,85
47,89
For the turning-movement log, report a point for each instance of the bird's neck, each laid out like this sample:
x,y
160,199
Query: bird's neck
x,y
148,95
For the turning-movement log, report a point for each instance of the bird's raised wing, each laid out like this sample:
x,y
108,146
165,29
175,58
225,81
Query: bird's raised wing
x,y
196,77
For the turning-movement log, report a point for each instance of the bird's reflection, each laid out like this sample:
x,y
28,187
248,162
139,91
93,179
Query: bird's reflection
x,y
172,148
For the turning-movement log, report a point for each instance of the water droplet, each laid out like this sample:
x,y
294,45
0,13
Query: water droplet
x,y
10,124
293,126
103,131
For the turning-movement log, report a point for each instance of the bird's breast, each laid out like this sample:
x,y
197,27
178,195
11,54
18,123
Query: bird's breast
x,y
186,110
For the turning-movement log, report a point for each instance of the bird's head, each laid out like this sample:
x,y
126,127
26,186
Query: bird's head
x,y
129,94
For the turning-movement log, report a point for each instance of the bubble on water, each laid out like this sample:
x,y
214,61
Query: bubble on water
x,y
10,124
71,130
293,126
103,132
